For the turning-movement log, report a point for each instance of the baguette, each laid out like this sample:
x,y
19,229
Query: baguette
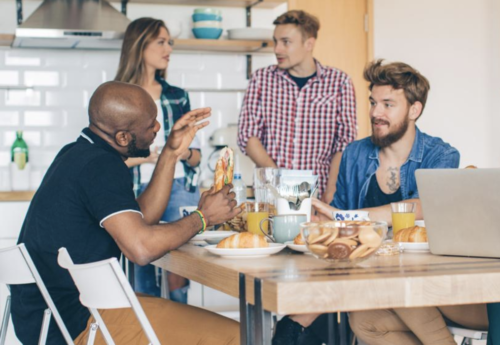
x,y
224,169
244,240
413,234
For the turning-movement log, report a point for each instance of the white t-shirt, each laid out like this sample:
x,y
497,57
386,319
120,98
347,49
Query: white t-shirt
x,y
148,168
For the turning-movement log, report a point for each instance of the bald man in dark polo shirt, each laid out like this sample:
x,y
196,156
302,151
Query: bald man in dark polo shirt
x,y
86,204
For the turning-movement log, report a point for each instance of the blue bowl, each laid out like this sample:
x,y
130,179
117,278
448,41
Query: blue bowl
x,y
200,17
207,33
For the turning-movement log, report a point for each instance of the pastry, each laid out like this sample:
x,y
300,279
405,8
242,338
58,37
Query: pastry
x,y
244,240
413,234
224,169
299,240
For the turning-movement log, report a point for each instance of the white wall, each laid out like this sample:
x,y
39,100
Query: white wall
x,y
55,111
456,45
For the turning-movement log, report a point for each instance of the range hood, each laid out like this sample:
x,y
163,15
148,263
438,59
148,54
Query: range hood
x,y
80,24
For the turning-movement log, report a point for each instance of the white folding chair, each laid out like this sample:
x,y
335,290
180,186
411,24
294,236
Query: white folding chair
x,y
468,334
17,268
103,285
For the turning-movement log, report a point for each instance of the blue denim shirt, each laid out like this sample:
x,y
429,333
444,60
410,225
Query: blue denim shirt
x,y
360,161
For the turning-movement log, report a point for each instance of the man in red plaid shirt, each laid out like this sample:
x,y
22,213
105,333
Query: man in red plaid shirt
x,y
298,114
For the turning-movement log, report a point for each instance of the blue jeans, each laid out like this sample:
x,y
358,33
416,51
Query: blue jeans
x,y
494,323
147,278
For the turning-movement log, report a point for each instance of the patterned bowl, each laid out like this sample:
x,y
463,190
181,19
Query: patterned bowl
x,y
350,215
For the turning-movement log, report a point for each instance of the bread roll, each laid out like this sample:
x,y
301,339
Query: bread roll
x,y
244,240
413,234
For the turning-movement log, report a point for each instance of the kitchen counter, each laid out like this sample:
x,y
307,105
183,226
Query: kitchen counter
x,y
16,196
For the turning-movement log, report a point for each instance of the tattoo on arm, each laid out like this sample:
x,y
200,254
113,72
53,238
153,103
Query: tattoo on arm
x,y
393,182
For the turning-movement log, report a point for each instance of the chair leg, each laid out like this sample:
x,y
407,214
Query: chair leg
x,y
44,332
92,333
5,321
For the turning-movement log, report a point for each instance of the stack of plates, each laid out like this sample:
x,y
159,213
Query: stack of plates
x,y
207,23
250,34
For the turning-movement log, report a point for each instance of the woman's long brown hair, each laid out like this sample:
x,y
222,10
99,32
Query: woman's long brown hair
x,y
138,35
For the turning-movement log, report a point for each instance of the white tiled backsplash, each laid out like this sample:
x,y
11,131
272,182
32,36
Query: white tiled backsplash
x,y
54,110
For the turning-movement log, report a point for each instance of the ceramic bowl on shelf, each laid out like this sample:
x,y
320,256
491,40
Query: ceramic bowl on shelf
x,y
343,243
207,33
208,10
174,28
208,24
200,17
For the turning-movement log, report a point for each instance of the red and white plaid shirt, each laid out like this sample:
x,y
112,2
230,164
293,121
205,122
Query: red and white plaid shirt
x,y
300,128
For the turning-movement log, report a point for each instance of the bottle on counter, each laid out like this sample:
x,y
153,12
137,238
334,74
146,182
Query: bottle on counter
x,y
239,187
19,166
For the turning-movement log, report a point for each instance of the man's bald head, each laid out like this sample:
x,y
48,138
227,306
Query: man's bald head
x,y
117,106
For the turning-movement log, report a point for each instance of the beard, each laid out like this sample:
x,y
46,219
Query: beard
x,y
134,151
393,136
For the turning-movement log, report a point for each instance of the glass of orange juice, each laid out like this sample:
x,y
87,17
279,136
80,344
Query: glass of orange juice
x,y
256,212
403,216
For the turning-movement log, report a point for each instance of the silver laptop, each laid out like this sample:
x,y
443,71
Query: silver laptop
x,y
461,210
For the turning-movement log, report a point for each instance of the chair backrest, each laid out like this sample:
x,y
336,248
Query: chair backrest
x,y
103,285
14,270
17,268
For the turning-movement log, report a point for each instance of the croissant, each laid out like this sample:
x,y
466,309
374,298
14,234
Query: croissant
x,y
413,234
244,240
299,239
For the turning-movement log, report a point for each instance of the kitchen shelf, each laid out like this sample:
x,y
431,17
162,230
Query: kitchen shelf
x,y
225,46
198,45
212,3
16,196
6,40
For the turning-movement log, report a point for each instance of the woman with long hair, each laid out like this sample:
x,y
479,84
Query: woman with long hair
x,y
144,59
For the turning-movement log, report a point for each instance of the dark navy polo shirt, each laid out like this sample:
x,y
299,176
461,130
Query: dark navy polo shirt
x,y
86,183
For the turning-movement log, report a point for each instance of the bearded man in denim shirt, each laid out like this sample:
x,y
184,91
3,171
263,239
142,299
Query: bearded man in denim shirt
x,y
374,172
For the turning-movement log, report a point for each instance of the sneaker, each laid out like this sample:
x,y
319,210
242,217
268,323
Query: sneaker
x,y
289,332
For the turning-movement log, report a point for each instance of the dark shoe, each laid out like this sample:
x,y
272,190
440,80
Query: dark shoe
x,y
289,332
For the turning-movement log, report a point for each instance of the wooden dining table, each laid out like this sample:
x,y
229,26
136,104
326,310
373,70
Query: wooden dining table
x,y
294,283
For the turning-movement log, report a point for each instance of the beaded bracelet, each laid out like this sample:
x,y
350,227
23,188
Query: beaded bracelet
x,y
203,221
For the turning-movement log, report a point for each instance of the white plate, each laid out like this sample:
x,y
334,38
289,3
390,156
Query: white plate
x,y
212,234
250,34
297,247
243,253
417,247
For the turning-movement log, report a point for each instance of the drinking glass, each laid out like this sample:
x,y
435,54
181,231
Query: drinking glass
x,y
256,212
262,177
403,216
